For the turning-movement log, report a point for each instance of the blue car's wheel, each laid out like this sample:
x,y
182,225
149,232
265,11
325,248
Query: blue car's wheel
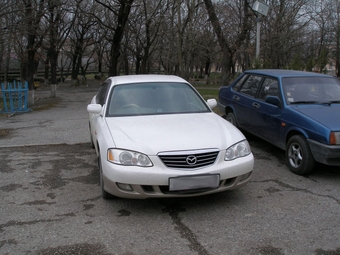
x,y
298,156
231,118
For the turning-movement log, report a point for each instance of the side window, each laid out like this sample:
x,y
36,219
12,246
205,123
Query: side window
x,y
102,92
251,85
237,86
270,87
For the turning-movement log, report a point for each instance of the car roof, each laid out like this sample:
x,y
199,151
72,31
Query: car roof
x,y
280,73
137,78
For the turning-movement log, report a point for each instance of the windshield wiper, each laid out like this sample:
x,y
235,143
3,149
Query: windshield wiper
x,y
317,102
332,102
305,102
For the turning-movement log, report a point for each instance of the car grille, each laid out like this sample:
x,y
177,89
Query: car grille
x,y
189,159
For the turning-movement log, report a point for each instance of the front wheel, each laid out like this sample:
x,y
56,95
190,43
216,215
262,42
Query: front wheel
x,y
92,143
298,156
231,118
105,194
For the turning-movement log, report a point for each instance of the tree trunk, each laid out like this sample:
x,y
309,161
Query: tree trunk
x,y
53,90
226,57
76,60
30,67
32,23
123,15
30,100
53,61
47,70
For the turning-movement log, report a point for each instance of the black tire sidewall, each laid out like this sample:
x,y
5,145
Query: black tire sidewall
x,y
105,195
308,162
92,143
231,116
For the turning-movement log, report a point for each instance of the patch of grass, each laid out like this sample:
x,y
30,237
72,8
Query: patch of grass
x,y
210,93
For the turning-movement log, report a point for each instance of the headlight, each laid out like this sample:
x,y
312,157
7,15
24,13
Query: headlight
x,y
128,158
334,138
238,150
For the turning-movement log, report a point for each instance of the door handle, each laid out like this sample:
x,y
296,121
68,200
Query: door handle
x,y
236,98
256,105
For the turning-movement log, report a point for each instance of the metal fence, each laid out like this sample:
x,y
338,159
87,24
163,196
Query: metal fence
x,y
15,97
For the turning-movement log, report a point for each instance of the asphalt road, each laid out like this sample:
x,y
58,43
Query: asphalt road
x,y
67,122
50,200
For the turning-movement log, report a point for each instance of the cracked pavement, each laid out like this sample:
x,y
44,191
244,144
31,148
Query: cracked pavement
x,y
50,199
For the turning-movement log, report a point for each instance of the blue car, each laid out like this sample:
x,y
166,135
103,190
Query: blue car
x,y
296,111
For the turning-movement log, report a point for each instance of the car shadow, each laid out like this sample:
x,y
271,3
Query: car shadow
x,y
273,151
269,149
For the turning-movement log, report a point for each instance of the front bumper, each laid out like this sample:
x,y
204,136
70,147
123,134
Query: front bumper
x,y
325,154
154,181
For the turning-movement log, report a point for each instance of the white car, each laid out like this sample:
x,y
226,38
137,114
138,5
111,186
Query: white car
x,y
155,136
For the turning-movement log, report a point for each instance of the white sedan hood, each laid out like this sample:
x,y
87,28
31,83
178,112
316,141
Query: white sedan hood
x,y
159,133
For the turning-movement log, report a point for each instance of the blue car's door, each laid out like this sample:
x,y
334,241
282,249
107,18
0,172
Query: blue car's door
x,y
266,117
243,101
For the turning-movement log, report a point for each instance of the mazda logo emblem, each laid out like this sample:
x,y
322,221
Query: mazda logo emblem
x,y
191,160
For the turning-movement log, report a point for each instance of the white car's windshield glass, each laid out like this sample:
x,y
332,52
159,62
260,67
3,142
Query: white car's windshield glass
x,y
299,90
154,98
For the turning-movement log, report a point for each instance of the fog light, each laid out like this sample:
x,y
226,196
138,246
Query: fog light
x,y
245,176
123,186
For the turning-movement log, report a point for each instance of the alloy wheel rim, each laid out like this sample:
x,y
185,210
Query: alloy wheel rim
x,y
295,155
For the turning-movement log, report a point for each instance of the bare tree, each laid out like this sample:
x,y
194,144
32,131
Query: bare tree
x,y
143,36
60,24
324,25
228,47
119,9
82,36
181,37
34,11
336,31
284,27
8,29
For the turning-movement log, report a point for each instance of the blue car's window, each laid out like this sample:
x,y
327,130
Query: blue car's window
x,y
311,89
251,85
239,83
154,98
270,87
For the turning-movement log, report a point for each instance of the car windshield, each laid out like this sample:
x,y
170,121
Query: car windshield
x,y
154,98
305,90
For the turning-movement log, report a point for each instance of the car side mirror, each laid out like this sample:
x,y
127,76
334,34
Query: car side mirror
x,y
212,103
94,108
274,100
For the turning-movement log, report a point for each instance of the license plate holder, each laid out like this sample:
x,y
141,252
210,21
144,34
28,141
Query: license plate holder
x,y
194,182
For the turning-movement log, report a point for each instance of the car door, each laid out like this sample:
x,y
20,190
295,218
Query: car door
x,y
266,117
243,101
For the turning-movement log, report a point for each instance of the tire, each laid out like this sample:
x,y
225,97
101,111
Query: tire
x,y
105,194
298,156
231,118
92,143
